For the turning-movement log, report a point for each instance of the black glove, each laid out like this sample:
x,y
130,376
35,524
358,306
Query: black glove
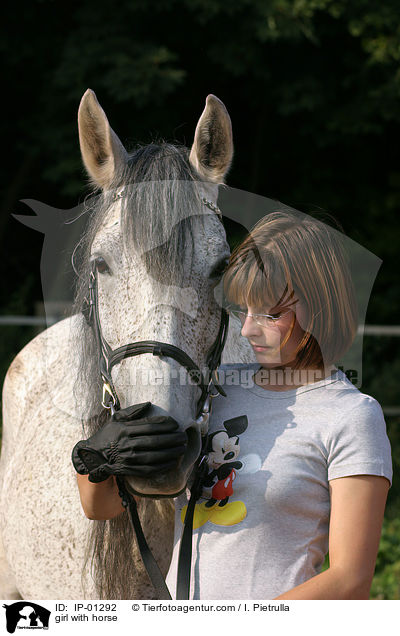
x,y
129,444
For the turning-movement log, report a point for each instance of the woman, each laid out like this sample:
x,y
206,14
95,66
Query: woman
x,y
298,459
308,467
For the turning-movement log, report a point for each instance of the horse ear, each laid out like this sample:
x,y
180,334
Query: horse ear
x,y
212,150
101,149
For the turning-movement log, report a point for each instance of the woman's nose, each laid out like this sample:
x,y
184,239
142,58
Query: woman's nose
x,y
250,327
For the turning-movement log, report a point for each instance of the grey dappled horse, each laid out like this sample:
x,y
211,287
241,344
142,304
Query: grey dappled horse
x,y
159,253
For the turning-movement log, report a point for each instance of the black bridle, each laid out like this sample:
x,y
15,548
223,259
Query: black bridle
x,y
107,359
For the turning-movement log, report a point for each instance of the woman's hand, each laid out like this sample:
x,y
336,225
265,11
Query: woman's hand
x,y
130,444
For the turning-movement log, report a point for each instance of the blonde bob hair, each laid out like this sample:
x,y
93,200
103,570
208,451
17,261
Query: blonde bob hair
x,y
288,257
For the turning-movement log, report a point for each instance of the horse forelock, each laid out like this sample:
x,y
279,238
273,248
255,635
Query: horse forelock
x,y
159,200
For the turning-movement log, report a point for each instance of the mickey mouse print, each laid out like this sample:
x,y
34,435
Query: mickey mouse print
x,y
223,465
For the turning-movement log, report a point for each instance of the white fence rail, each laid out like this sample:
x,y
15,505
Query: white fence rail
x,y
379,330
30,321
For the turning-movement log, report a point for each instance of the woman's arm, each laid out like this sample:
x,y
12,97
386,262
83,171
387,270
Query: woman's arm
x,y
357,509
99,501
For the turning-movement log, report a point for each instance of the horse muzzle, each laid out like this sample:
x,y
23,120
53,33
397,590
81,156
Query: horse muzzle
x,y
172,481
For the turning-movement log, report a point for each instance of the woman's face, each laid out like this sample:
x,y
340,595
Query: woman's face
x,y
266,340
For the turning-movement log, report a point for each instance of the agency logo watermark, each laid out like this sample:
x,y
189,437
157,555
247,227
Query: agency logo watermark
x,y
26,615
158,295
230,375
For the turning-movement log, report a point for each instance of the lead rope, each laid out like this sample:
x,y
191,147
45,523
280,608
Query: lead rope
x,y
148,559
185,549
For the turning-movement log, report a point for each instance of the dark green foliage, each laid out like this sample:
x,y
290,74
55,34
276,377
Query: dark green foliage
x,y
312,86
386,583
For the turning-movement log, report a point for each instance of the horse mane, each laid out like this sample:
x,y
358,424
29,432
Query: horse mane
x,y
160,193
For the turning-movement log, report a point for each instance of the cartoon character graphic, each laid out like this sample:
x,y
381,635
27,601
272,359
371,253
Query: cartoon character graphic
x,y
222,459
223,450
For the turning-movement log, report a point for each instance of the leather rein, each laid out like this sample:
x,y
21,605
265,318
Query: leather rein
x,y
107,359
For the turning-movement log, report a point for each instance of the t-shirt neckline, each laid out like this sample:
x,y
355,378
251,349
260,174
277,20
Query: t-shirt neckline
x,y
283,395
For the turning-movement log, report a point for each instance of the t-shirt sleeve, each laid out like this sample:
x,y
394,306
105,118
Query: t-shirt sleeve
x,y
359,445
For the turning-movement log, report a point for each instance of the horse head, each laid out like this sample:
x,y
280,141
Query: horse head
x,y
157,249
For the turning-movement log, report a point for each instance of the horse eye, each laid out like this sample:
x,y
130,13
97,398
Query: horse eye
x,y
219,269
101,265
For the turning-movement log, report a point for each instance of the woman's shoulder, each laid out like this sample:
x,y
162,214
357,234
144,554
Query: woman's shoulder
x,y
354,417
350,398
356,438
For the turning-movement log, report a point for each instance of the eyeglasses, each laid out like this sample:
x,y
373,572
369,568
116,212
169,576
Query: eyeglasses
x,y
263,320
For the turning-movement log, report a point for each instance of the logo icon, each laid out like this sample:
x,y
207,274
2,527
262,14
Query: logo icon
x,y
26,615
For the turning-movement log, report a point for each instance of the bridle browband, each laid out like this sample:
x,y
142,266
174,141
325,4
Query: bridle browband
x,y
107,359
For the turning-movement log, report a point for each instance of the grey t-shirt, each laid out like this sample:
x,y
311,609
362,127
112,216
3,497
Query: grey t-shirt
x,y
262,526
